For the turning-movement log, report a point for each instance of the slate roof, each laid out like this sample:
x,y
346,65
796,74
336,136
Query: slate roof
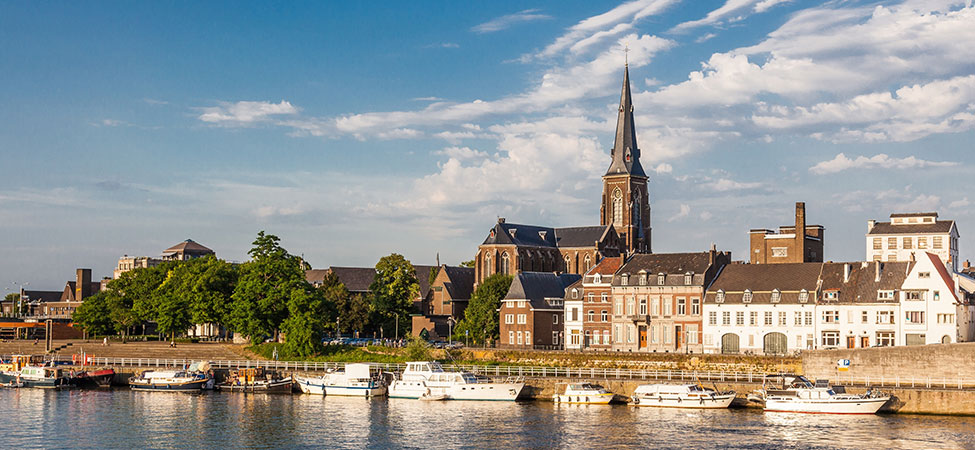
x,y
538,286
939,226
673,265
863,285
625,136
71,289
762,279
355,279
315,276
188,246
537,236
918,214
48,296
423,278
461,282
580,236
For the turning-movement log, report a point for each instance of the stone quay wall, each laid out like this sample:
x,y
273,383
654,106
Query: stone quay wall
x,y
936,363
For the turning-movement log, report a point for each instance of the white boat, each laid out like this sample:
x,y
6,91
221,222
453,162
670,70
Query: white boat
x,y
354,380
171,380
795,393
584,393
429,380
681,396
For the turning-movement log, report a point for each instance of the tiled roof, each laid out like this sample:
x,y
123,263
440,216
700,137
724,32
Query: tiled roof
x,y
673,265
355,279
762,279
940,226
188,246
461,282
863,284
943,271
606,266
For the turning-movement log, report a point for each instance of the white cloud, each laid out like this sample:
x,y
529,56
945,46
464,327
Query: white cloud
x,y
705,37
726,184
663,168
706,216
765,5
507,21
963,203
245,113
685,210
600,28
730,7
880,161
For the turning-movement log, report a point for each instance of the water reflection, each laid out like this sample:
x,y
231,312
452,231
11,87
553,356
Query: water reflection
x,y
127,419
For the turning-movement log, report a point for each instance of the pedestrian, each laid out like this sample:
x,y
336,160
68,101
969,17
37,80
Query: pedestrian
x,y
105,341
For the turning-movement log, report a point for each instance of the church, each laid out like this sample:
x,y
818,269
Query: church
x,y
624,219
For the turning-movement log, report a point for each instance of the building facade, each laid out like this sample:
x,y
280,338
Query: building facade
x,y
532,313
657,301
787,245
445,302
909,235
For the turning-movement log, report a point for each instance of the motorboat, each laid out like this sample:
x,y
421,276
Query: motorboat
x,y
795,393
428,378
94,378
681,396
172,380
584,393
24,371
353,380
255,380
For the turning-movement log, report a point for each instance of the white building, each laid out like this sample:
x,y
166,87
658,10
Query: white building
x,y
931,306
907,236
573,316
859,304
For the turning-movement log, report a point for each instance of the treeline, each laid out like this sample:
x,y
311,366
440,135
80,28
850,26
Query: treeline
x,y
261,298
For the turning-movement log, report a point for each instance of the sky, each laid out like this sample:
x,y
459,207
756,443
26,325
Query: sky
x,y
352,130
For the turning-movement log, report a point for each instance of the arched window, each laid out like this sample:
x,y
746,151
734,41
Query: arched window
x,y
618,207
504,263
568,263
488,268
637,219
588,263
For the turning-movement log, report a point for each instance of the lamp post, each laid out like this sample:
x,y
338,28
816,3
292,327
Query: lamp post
x,y
397,325
20,299
450,331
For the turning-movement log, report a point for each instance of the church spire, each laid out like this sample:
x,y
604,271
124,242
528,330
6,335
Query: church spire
x,y
625,153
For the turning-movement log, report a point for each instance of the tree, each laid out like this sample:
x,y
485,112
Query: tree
x,y
264,288
354,312
467,264
481,316
393,291
93,315
304,329
14,299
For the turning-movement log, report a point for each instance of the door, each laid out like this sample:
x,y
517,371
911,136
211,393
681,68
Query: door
x,y
729,343
851,342
775,344
864,341
643,337
679,338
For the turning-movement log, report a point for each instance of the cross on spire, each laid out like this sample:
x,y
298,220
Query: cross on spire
x,y
626,54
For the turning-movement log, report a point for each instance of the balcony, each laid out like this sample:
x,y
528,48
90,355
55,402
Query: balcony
x,y
639,318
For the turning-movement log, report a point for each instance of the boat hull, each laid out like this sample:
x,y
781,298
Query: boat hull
x,y
95,379
721,401
355,391
43,383
850,406
186,386
268,387
585,399
473,391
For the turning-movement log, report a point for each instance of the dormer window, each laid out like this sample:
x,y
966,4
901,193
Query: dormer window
x,y
643,279
628,155
776,296
542,234
575,293
624,279
831,295
747,297
597,278
803,296
512,231
719,297
660,279
688,279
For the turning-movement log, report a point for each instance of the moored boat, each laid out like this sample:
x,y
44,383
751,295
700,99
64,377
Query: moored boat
x,y
255,380
584,393
681,396
428,379
795,393
355,380
26,371
94,378
170,380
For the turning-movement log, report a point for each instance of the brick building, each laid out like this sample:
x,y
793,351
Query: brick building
x,y
532,312
787,245
445,301
592,296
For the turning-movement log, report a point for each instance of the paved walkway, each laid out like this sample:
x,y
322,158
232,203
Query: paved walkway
x,y
206,350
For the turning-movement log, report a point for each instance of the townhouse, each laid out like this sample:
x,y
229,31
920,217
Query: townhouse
x,y
532,312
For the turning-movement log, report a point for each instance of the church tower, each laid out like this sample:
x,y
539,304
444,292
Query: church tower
x,y
626,199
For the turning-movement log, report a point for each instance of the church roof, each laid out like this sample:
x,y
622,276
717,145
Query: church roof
x,y
625,153
580,236
537,236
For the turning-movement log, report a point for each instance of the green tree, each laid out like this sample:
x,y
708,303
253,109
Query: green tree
x,y
481,316
304,329
467,264
264,288
93,315
393,291
354,312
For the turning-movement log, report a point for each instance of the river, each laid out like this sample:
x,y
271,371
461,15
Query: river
x,y
120,418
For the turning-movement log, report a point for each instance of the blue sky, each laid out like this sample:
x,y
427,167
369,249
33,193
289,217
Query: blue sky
x,y
352,130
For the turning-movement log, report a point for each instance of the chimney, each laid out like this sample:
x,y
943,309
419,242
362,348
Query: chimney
x,y
801,230
846,272
870,224
878,269
711,254
82,287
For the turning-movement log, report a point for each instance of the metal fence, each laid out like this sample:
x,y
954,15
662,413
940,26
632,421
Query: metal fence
x,y
544,372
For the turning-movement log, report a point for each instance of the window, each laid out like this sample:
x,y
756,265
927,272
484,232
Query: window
x,y
803,296
885,295
780,252
892,243
574,337
605,316
768,318
630,306
885,317
592,314
618,208
936,242
617,334
885,338
624,279
831,338
681,306
528,338
604,297
695,306
914,317
726,318
924,275
597,278
712,318
740,318
946,318
782,320
912,295
831,316
776,296
488,268
668,306
654,334
878,257
914,339
865,317
692,337
504,262
719,297
937,295
661,279
575,314
555,318
555,338
753,318
831,295
592,297
892,257
798,322
521,303
521,339
509,319
629,334
511,337
922,242
908,243
619,307
643,306
688,279
643,279
668,336
878,243
747,296
522,319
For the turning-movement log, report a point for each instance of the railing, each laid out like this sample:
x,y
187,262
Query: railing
x,y
590,373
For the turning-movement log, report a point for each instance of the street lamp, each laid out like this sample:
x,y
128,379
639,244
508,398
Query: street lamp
x,y
450,331
20,299
397,325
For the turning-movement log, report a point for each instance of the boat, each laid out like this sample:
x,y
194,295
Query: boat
x,y
430,379
255,380
584,393
795,393
353,380
94,378
173,380
23,371
681,396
